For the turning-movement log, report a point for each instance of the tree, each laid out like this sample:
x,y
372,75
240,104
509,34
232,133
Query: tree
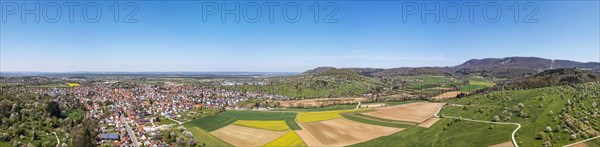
x,y
548,129
496,118
84,135
54,109
540,136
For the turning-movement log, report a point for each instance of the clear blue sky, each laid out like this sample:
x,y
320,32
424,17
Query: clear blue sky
x,y
171,36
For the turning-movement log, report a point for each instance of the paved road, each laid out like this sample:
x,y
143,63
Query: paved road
x,y
131,133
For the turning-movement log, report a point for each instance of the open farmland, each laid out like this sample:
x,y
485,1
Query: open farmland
x,y
290,138
214,122
446,132
325,115
245,136
413,112
341,132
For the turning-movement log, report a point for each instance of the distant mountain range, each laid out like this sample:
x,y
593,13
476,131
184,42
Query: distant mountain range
x,y
509,67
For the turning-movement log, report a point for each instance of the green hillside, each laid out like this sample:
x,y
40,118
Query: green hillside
x,y
557,115
446,132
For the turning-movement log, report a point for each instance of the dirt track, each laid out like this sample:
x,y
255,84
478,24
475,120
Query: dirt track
x,y
413,112
341,132
245,136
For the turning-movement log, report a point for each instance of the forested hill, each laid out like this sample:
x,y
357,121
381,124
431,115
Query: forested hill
x,y
509,67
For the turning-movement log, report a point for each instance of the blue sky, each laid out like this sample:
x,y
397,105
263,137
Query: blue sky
x,y
171,36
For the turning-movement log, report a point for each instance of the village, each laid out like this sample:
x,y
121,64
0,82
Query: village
x,y
134,114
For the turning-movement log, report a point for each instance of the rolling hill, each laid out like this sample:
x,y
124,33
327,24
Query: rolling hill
x,y
509,67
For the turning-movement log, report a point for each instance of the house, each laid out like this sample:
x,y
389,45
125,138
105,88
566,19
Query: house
x,y
108,137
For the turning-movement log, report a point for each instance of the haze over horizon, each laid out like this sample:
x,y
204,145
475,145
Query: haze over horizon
x,y
171,37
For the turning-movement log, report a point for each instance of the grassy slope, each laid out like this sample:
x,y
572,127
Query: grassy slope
x,y
213,122
537,109
462,133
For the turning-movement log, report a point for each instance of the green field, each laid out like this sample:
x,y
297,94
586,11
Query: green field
x,y
460,133
164,121
205,138
535,109
427,82
214,122
595,142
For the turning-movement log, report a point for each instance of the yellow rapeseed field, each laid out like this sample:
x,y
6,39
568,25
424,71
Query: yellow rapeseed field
x,y
288,139
278,125
325,115
73,84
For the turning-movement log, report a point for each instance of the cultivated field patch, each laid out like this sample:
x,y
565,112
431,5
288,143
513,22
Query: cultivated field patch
x,y
505,144
325,115
413,112
448,95
246,136
276,125
341,132
429,122
288,139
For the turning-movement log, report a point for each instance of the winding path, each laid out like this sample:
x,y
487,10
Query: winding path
x,y
58,140
503,123
582,141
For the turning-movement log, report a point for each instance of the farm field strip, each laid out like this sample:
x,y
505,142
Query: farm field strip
x,y
290,138
277,125
377,121
429,122
326,115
